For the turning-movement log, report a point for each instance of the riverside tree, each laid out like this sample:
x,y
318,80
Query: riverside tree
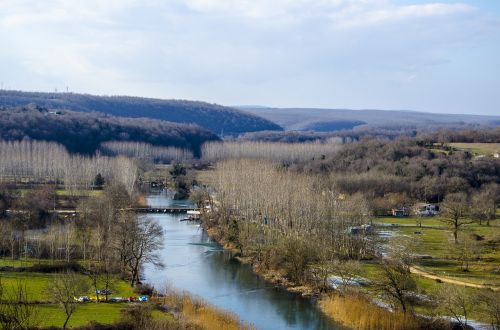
x,y
456,302
136,241
489,307
396,280
281,219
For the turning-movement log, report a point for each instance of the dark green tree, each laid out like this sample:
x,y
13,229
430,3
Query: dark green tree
x,y
99,181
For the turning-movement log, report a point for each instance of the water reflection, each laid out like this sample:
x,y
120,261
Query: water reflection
x,y
197,264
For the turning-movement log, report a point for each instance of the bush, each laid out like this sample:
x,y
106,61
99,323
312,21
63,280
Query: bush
x,y
57,268
144,289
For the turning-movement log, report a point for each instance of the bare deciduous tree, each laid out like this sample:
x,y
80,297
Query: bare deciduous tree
x,y
275,151
142,241
484,203
50,162
457,302
489,306
396,280
348,271
64,289
455,208
145,151
16,309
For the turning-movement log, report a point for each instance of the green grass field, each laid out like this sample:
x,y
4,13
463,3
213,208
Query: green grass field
x,y
37,284
53,315
435,240
50,314
29,262
427,287
478,148
64,192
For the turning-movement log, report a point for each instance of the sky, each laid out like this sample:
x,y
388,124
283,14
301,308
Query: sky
x,y
358,54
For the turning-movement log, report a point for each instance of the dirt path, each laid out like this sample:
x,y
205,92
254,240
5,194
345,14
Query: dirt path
x,y
425,274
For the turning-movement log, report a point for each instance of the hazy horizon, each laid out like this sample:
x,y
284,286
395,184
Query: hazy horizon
x,y
426,56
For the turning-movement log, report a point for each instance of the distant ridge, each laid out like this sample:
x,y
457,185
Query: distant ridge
x,y
332,119
219,119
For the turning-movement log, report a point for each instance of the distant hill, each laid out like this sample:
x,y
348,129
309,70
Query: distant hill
x,y
217,118
84,132
332,125
321,120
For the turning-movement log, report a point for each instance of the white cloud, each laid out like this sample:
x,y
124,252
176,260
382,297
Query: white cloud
x,y
399,13
225,51
342,13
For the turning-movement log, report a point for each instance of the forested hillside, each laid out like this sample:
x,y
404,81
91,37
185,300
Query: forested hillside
x,y
336,119
408,169
217,118
84,132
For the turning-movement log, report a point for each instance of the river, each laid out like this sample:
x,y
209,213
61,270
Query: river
x,y
197,264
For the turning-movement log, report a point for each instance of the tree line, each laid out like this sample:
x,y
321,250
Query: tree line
x,y
84,132
275,151
89,250
405,169
284,220
46,162
300,220
102,236
426,135
145,151
470,135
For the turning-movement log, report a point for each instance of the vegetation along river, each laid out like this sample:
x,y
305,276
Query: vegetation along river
x,y
195,263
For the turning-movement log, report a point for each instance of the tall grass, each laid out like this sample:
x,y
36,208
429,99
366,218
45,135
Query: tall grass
x,y
358,312
203,315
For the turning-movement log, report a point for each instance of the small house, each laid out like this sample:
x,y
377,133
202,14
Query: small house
x,y
400,212
426,209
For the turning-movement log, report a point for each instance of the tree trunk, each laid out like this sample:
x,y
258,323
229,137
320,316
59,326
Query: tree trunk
x,y
67,320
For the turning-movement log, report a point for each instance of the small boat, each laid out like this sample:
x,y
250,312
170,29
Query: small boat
x,y
192,216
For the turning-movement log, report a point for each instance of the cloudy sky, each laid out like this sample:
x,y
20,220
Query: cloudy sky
x,y
386,54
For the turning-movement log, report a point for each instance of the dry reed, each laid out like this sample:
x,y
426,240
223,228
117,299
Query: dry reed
x,y
198,312
358,312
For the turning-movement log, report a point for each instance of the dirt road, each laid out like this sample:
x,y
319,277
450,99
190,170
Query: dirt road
x,y
425,274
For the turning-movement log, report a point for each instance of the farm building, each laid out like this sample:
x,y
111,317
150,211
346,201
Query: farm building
x,y
426,209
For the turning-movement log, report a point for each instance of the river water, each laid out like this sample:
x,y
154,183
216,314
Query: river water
x,y
197,264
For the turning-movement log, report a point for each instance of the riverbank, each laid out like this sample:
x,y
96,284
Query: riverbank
x,y
351,308
275,277
171,310
196,312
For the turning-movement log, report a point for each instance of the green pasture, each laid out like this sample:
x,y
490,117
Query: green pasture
x,y
65,192
37,284
478,148
50,314
435,241
104,313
